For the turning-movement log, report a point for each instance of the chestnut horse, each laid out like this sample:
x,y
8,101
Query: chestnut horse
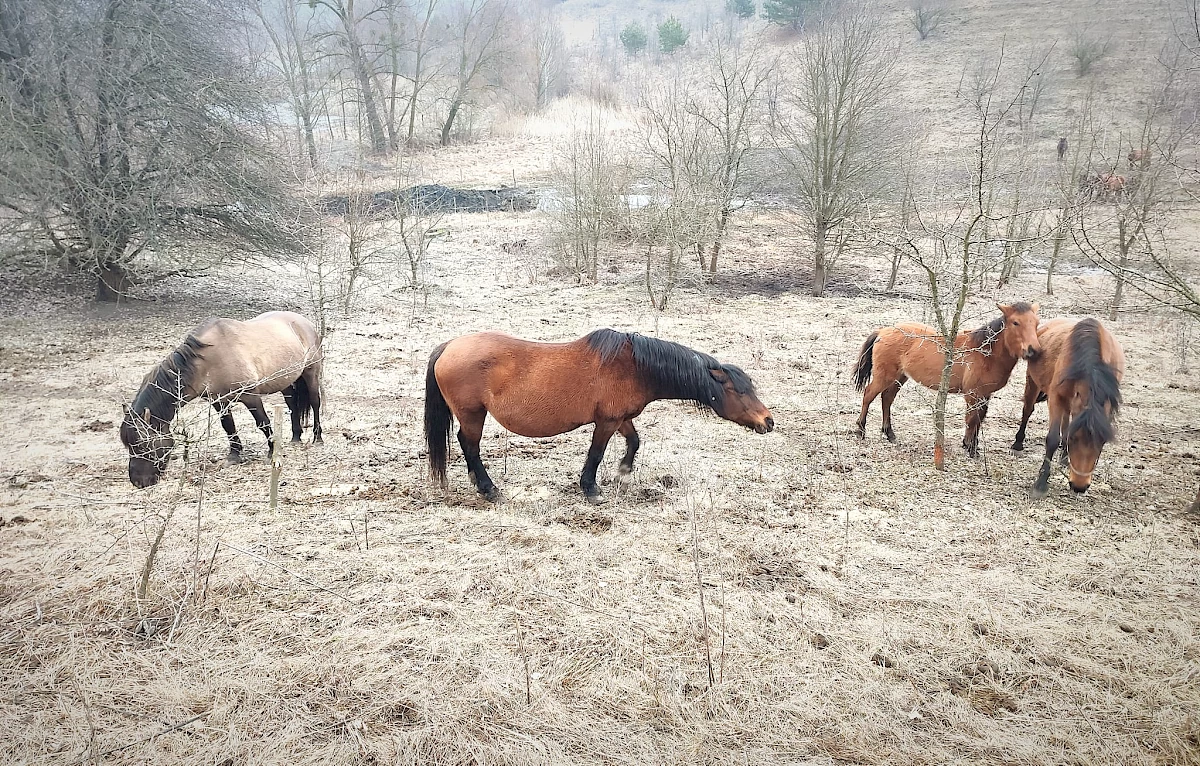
x,y
225,361
1078,373
983,361
546,389
1138,158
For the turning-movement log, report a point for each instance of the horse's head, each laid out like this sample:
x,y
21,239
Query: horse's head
x,y
1091,427
1020,329
149,442
739,402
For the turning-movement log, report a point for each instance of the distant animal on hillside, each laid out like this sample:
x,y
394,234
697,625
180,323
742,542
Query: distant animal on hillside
x,y
514,247
546,389
225,361
1139,158
1078,373
1102,185
984,360
1062,147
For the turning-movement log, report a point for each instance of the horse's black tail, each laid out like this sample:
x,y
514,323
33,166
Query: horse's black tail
x,y
303,401
438,421
866,361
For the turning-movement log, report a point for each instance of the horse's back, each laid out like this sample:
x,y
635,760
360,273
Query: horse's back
x,y
264,354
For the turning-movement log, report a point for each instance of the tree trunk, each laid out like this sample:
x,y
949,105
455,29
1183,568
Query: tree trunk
x,y
895,273
819,275
1060,235
112,282
1119,292
366,89
939,412
448,125
1196,503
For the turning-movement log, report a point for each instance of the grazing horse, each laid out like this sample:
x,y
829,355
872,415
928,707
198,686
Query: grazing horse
x,y
546,389
225,361
1062,148
983,361
1138,158
1079,374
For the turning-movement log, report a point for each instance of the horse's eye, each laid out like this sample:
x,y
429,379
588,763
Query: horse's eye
x,y
1016,324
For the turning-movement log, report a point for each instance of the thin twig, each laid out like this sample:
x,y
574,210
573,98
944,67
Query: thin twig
x,y
304,580
144,740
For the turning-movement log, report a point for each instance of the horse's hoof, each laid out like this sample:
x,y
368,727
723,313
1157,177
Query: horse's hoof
x,y
235,458
890,436
624,475
492,495
1018,447
1037,493
596,499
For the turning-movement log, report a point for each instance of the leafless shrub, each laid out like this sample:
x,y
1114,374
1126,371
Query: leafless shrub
x,y
1087,49
589,179
926,19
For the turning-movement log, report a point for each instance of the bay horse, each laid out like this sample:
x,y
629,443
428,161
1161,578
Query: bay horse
x,y
983,361
225,361
1079,375
1138,158
545,389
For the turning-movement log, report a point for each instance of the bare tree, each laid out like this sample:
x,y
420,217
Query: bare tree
x,y
1088,48
680,163
128,128
725,107
350,16
926,18
291,39
481,30
548,53
590,178
837,139
423,71
950,238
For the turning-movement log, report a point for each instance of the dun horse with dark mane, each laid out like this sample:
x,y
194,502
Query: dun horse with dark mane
x,y
1079,375
225,361
983,361
545,389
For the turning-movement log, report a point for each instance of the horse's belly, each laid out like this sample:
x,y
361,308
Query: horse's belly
x,y
533,423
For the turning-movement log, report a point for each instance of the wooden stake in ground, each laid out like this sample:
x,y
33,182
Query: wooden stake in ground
x,y
276,455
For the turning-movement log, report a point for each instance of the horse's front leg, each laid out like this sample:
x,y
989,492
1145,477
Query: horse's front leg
x,y
235,442
1042,486
632,442
587,481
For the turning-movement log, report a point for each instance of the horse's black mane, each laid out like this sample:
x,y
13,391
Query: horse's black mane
x,y
987,335
164,386
1088,366
672,371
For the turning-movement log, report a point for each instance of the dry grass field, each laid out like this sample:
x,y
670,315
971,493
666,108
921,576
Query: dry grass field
x,y
799,597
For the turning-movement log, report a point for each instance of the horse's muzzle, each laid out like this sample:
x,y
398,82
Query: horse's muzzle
x,y
766,426
1032,353
1077,489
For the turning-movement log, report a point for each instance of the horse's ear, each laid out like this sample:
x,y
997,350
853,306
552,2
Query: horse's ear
x,y
146,414
1035,308
719,375
124,409
1005,309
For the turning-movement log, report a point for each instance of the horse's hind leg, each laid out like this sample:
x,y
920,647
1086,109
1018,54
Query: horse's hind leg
x,y
878,385
255,405
235,442
632,442
312,377
885,402
977,407
470,431
587,480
